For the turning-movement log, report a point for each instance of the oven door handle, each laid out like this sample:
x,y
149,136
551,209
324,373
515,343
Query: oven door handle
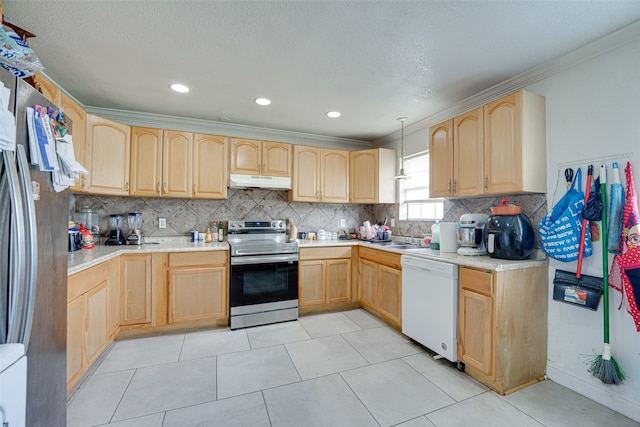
x,y
263,259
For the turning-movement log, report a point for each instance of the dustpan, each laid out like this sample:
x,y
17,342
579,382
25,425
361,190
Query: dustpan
x,y
584,291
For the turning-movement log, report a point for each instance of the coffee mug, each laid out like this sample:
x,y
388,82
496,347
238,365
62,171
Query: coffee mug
x,y
302,235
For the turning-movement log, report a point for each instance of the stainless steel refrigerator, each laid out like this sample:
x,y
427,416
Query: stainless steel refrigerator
x,y
33,267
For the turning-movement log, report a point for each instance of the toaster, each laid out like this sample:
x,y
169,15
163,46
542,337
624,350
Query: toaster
x,y
75,240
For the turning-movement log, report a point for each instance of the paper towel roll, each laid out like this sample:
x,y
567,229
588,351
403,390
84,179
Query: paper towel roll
x,y
448,236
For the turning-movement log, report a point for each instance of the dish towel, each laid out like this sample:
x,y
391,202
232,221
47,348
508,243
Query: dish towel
x,y
625,272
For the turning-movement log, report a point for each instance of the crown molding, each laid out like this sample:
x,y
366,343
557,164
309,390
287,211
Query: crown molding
x,y
161,121
591,50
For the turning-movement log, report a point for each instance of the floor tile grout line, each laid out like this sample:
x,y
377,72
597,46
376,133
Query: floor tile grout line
x,y
266,407
518,409
358,397
123,394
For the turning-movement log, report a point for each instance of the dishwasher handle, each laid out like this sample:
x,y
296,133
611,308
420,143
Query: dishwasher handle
x,y
429,266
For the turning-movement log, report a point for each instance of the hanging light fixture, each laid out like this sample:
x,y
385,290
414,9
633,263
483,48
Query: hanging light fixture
x,y
402,175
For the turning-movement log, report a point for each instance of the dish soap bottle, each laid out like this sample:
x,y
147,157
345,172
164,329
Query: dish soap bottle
x,y
220,232
435,237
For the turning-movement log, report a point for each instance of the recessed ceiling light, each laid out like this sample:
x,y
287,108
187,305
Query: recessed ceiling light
x,y
262,101
179,88
334,114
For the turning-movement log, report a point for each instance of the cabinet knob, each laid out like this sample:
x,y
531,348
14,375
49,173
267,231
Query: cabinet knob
x,y
455,186
158,186
449,187
486,178
127,190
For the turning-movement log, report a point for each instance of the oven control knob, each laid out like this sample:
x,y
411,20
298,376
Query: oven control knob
x,y
277,224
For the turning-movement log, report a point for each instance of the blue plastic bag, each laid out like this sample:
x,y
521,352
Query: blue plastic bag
x,y
560,230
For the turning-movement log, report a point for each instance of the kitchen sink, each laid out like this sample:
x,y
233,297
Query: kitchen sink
x,y
419,250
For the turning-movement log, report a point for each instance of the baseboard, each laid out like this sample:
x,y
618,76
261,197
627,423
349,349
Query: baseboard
x,y
598,392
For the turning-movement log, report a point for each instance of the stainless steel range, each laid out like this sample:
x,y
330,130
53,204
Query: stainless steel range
x,y
264,273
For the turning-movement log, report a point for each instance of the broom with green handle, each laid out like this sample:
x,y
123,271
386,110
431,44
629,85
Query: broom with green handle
x,y
604,367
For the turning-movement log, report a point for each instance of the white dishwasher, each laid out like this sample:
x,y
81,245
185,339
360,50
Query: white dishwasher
x,y
430,304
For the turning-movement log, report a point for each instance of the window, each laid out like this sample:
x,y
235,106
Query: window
x,y
414,192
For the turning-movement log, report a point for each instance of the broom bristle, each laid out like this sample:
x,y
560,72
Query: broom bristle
x,y
607,371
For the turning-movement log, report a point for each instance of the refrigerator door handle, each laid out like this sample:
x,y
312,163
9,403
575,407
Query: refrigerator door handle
x,y
17,289
31,241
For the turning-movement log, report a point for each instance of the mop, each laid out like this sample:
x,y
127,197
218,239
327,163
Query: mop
x,y
604,366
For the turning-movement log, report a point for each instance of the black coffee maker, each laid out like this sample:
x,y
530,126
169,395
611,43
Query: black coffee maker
x,y
509,236
116,237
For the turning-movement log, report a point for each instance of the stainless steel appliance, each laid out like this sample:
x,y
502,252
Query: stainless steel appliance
x,y
33,270
135,228
509,236
264,273
471,234
75,240
116,237
430,304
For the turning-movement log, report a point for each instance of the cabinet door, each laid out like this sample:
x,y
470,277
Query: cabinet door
x,y
441,159
503,144
311,279
197,294
306,174
468,154
177,175
210,175
107,156
338,280
48,89
114,296
74,341
78,118
368,283
276,159
97,321
334,170
246,156
475,330
364,176
146,162
135,289
390,293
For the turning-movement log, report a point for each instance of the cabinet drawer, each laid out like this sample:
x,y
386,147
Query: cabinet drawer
x,y
389,259
325,253
203,258
83,281
475,280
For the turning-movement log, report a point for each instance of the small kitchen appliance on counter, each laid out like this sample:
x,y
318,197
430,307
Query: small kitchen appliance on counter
x,y
509,233
116,237
135,228
471,234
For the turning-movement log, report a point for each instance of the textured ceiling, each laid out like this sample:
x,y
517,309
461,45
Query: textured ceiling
x,y
372,60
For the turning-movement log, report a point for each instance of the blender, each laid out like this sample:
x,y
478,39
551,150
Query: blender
x,y
115,236
135,228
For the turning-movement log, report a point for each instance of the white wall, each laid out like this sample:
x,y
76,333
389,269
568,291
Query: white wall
x,y
593,111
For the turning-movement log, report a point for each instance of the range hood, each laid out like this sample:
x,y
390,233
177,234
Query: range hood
x,y
259,181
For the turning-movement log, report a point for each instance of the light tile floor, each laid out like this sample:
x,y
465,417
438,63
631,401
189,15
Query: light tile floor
x,y
335,369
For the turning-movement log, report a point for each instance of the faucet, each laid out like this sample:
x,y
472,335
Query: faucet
x,y
409,241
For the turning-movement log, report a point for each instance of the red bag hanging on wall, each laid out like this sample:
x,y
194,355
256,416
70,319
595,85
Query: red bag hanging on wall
x,y
625,272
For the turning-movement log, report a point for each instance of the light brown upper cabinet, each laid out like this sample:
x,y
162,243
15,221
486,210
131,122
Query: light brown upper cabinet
x,y
107,156
177,164
320,175
515,144
47,89
372,176
78,118
456,153
253,157
483,151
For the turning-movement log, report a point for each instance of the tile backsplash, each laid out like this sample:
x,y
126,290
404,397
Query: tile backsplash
x,y
184,215
533,205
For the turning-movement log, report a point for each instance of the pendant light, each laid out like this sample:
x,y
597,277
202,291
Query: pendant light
x,y
402,174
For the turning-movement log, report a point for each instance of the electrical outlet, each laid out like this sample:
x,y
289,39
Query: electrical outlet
x,y
162,222
393,222
343,222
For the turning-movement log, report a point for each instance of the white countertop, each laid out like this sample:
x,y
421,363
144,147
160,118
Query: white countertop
x,y
83,259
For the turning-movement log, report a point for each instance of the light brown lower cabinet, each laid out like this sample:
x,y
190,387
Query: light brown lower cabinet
x,y
502,326
135,289
89,318
380,284
198,286
324,276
